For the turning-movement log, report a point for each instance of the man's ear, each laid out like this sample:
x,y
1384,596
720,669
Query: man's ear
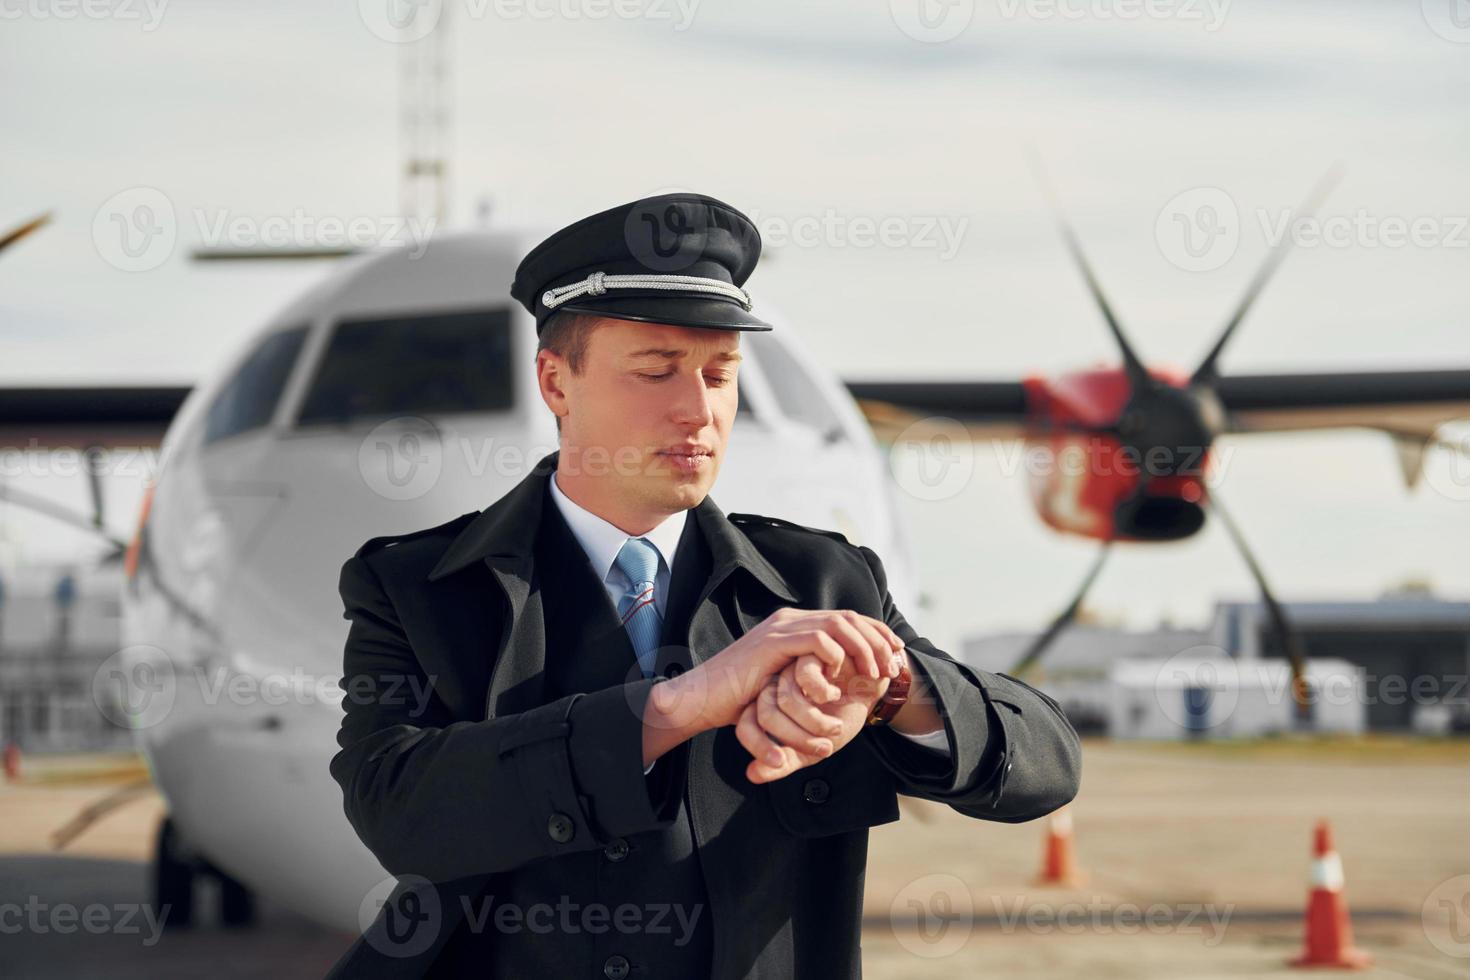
x,y
551,375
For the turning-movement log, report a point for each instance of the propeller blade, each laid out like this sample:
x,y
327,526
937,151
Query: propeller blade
x,y
43,506
91,814
1043,642
1207,371
94,484
16,234
1137,373
1290,642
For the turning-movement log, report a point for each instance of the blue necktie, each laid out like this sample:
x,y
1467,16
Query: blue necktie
x,y
638,560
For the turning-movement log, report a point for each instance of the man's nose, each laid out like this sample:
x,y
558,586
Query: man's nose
x,y
691,401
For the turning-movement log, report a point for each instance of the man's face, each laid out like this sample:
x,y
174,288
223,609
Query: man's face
x,y
651,412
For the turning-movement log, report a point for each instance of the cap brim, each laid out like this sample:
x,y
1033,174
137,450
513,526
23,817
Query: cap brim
x,y
679,311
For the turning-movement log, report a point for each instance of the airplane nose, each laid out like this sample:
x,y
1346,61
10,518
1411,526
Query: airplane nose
x,y
339,490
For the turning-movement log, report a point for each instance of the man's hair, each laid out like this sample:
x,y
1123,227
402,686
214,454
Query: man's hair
x,y
566,334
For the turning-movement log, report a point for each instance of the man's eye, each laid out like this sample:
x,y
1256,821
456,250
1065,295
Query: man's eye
x,y
718,380
654,377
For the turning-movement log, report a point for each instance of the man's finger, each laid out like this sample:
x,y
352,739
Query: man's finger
x,y
778,725
800,709
749,733
809,677
881,637
858,645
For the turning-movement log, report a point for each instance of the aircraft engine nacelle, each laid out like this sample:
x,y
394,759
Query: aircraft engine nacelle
x,y
1090,474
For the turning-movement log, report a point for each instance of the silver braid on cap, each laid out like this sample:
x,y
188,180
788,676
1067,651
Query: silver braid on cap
x,y
599,283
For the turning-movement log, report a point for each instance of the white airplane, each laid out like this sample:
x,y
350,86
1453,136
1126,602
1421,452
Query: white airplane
x,y
399,393
396,394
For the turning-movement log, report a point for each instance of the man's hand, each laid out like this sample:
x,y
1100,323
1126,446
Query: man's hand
x,y
786,730
816,643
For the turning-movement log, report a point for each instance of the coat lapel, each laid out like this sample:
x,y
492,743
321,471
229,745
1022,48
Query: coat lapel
x,y
503,537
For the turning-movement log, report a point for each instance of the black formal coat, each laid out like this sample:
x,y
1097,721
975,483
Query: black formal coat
x,y
507,769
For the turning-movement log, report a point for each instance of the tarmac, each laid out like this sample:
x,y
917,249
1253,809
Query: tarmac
x,y
1195,856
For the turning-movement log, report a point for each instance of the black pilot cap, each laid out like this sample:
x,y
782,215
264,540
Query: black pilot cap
x,y
690,254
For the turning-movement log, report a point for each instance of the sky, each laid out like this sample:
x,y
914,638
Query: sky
x,y
1156,120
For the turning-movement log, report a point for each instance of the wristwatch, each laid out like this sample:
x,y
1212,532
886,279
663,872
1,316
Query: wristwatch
x,y
894,698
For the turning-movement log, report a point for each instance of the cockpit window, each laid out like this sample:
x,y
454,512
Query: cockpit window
x,y
796,393
249,398
456,362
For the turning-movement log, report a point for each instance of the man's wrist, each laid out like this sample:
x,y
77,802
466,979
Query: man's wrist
x,y
671,716
919,714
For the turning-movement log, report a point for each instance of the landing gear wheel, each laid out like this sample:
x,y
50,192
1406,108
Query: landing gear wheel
x,y
175,870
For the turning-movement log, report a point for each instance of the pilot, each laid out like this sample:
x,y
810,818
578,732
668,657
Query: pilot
x,y
657,734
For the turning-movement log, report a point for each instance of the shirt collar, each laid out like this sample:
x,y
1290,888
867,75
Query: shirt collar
x,y
603,540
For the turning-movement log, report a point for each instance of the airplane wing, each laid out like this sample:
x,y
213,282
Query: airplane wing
x,y
1410,406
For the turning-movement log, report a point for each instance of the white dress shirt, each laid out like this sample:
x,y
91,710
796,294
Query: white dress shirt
x,y
603,540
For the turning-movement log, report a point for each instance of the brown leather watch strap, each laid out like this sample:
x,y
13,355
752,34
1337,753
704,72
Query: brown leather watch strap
x,y
894,698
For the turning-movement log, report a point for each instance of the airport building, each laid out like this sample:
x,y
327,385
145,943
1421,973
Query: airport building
x,y
1397,664
58,627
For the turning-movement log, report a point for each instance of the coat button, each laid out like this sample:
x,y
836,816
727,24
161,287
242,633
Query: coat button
x,y
617,850
560,827
616,967
673,670
816,791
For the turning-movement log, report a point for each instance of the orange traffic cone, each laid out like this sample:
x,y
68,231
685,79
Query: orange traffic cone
x,y
1329,933
1059,864
12,762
